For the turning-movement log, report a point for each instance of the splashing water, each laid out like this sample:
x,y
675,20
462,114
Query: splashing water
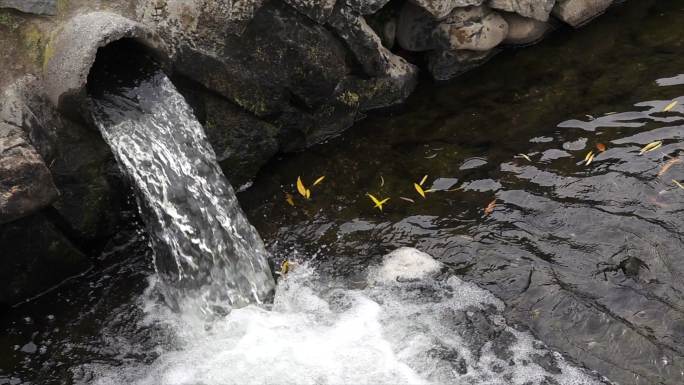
x,y
204,246
407,323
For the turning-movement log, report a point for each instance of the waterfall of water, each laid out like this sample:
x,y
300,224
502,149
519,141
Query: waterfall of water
x,y
204,246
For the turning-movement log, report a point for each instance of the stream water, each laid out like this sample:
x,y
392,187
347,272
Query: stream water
x,y
584,257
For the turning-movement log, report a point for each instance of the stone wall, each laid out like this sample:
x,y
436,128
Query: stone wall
x,y
264,76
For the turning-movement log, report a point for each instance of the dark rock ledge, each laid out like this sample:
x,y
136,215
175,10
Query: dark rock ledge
x,y
264,76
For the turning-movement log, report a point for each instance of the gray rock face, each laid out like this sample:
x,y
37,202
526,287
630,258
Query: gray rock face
x,y
25,182
38,7
578,12
440,9
415,28
536,9
471,28
366,7
318,10
523,30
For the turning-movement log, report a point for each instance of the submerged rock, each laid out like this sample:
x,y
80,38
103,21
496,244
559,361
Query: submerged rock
x,y
445,65
524,30
578,12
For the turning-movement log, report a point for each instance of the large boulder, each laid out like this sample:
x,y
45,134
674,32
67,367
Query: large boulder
x,y
579,12
318,10
38,7
25,181
472,28
535,9
366,7
442,8
524,30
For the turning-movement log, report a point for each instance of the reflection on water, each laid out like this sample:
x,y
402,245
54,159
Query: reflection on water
x,y
588,257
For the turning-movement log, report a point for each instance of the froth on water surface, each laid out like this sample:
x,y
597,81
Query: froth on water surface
x,y
408,323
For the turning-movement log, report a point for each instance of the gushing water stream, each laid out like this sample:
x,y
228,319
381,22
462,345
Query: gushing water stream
x,y
204,246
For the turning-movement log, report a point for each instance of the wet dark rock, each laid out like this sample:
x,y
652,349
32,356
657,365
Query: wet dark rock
x,y
38,7
366,7
535,9
547,361
415,28
25,181
385,24
35,257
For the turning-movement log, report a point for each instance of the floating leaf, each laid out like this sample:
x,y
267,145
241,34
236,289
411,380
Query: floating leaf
x,y
589,158
601,147
289,199
651,146
422,181
407,199
308,194
678,184
319,180
300,187
525,157
285,267
490,207
419,189
378,203
668,164
430,156
670,106
382,181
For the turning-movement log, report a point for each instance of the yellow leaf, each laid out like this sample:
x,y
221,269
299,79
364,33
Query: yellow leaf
x,y
419,189
308,194
525,157
289,199
319,180
422,181
589,158
651,146
378,203
678,184
285,267
670,106
300,187
407,199
669,164
382,181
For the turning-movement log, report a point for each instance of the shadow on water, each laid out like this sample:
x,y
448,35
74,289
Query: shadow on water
x,y
589,257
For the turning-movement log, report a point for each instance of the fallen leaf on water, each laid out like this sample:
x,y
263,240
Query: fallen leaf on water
x,y
601,147
285,267
289,199
525,157
670,106
589,158
651,146
419,189
300,187
668,164
422,181
407,199
319,180
431,156
382,181
678,184
378,202
490,207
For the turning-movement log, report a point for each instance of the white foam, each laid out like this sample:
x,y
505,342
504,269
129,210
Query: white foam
x,y
321,333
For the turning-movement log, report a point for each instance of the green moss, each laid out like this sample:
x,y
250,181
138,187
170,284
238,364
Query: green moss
x,y
33,41
8,20
62,6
